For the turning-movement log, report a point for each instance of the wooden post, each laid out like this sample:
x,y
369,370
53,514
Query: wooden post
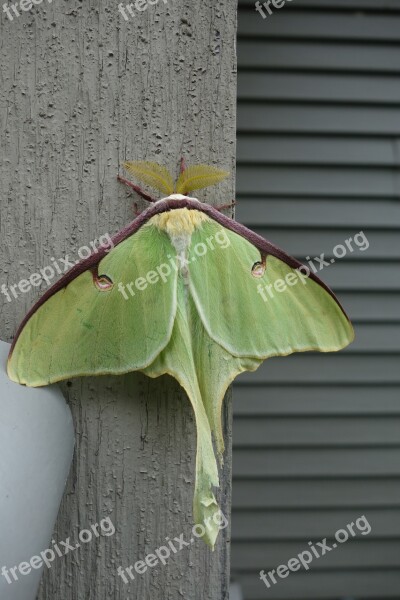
x,y
84,89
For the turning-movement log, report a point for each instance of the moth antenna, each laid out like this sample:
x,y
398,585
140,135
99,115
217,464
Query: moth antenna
x,y
151,173
197,177
137,189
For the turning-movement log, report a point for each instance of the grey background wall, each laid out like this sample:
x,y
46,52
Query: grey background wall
x,y
81,90
317,438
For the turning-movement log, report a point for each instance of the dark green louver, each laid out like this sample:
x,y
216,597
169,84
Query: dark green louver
x,y
317,438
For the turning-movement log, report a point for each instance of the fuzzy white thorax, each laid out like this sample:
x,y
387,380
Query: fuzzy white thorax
x,y
180,224
177,197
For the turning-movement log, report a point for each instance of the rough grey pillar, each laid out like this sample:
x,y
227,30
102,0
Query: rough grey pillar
x,y
81,90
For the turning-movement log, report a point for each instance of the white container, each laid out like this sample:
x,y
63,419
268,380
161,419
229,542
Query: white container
x,y
36,448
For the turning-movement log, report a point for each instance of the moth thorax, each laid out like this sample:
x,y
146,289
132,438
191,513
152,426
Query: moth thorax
x,y
180,222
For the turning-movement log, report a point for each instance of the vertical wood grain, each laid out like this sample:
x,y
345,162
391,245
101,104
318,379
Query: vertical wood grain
x,y
81,91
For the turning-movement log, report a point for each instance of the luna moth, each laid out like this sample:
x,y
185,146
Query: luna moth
x,y
171,298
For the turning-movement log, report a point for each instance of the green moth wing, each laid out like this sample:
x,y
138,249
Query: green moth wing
x,y
204,369
89,328
226,326
230,300
278,311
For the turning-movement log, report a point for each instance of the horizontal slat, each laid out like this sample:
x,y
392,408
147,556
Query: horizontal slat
x,y
278,432
363,584
369,306
357,120
361,275
356,553
311,524
374,5
291,212
314,369
320,400
274,54
348,89
314,181
374,338
311,150
362,244
345,178
309,493
293,24
338,462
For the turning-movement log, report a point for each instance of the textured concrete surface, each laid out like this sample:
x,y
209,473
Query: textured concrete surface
x,y
81,90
